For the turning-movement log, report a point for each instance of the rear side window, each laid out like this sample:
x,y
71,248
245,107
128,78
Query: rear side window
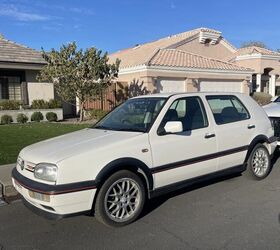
x,y
227,108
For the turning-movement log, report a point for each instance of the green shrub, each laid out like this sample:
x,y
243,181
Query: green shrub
x,y
9,105
261,98
54,104
6,119
37,116
39,104
96,114
22,118
51,117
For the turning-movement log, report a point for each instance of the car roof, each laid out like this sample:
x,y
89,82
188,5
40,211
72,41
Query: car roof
x,y
169,94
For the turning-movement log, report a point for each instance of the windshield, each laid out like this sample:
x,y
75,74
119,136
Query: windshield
x,y
134,115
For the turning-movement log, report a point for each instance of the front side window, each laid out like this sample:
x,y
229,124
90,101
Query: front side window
x,y
190,111
134,115
227,109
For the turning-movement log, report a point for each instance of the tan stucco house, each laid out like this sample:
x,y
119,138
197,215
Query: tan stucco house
x,y
199,60
19,66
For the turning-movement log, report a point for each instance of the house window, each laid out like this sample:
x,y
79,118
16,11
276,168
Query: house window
x,y
10,87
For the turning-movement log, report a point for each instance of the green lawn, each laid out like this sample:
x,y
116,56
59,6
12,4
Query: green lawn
x,y
14,137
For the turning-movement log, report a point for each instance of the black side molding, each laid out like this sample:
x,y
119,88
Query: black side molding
x,y
189,182
52,189
198,159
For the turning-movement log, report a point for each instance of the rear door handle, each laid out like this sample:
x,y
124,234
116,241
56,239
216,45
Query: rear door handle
x,y
250,126
209,135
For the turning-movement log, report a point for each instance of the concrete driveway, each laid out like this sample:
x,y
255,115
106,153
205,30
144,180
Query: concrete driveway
x,y
234,213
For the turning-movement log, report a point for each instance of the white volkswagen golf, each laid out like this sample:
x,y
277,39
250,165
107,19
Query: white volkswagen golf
x,y
147,146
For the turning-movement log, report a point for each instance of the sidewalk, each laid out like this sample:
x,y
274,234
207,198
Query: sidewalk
x,y
6,187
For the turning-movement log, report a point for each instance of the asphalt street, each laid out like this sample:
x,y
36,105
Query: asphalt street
x,y
233,213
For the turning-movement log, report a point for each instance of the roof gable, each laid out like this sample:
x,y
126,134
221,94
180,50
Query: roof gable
x,y
141,54
252,50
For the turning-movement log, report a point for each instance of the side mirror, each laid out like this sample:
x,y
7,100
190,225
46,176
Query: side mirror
x,y
173,127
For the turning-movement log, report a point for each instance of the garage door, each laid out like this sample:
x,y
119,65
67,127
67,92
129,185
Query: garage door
x,y
164,86
230,86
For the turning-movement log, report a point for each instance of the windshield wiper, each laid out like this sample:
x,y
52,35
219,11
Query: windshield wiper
x,y
131,130
102,127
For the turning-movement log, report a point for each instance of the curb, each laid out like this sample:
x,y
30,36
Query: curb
x,y
7,190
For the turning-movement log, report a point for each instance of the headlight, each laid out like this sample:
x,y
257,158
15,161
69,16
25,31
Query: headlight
x,y
46,171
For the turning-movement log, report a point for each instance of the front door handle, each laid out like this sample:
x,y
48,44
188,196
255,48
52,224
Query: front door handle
x,y
250,126
209,135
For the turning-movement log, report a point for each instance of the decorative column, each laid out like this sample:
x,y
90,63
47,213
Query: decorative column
x,y
258,82
192,85
245,87
273,85
149,83
269,85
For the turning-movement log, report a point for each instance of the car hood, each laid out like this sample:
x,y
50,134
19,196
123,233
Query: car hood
x,y
59,148
272,109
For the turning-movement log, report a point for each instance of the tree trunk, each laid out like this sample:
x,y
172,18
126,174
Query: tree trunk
x,y
101,99
82,112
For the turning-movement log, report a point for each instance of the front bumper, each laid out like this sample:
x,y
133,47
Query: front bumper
x,y
55,201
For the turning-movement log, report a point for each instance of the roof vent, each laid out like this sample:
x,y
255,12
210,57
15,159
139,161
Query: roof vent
x,y
206,36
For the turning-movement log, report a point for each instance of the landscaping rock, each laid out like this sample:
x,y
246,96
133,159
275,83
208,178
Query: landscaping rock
x,y
6,185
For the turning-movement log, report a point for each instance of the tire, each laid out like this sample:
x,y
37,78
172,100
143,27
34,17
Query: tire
x,y
120,199
259,163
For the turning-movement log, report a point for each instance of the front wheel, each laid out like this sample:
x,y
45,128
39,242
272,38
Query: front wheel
x,y
259,164
120,199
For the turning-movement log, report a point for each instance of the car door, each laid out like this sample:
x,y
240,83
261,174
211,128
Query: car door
x,y
188,154
234,129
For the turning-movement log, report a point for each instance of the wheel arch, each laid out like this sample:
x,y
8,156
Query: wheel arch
x,y
130,164
258,139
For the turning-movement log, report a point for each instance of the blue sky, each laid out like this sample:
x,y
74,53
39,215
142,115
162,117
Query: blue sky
x,y
111,25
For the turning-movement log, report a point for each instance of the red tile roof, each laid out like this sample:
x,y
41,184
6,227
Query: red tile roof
x,y
179,58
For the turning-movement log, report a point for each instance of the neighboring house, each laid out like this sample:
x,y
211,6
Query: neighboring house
x,y
198,60
266,65
19,66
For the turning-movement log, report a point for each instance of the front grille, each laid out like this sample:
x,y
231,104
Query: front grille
x,y
275,121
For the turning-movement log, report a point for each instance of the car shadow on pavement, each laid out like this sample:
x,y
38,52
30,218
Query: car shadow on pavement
x,y
154,203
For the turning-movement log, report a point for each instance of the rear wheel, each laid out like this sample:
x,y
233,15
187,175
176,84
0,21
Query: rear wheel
x,y
120,199
259,164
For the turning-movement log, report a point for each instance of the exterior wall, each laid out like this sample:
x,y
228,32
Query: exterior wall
x,y
254,64
40,90
218,51
260,64
275,64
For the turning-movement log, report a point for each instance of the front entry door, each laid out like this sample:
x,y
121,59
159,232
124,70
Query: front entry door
x,y
4,88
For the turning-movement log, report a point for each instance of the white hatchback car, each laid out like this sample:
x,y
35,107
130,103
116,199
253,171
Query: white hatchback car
x,y
147,146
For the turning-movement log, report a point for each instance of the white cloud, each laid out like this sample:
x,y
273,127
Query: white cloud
x,y
82,10
20,15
